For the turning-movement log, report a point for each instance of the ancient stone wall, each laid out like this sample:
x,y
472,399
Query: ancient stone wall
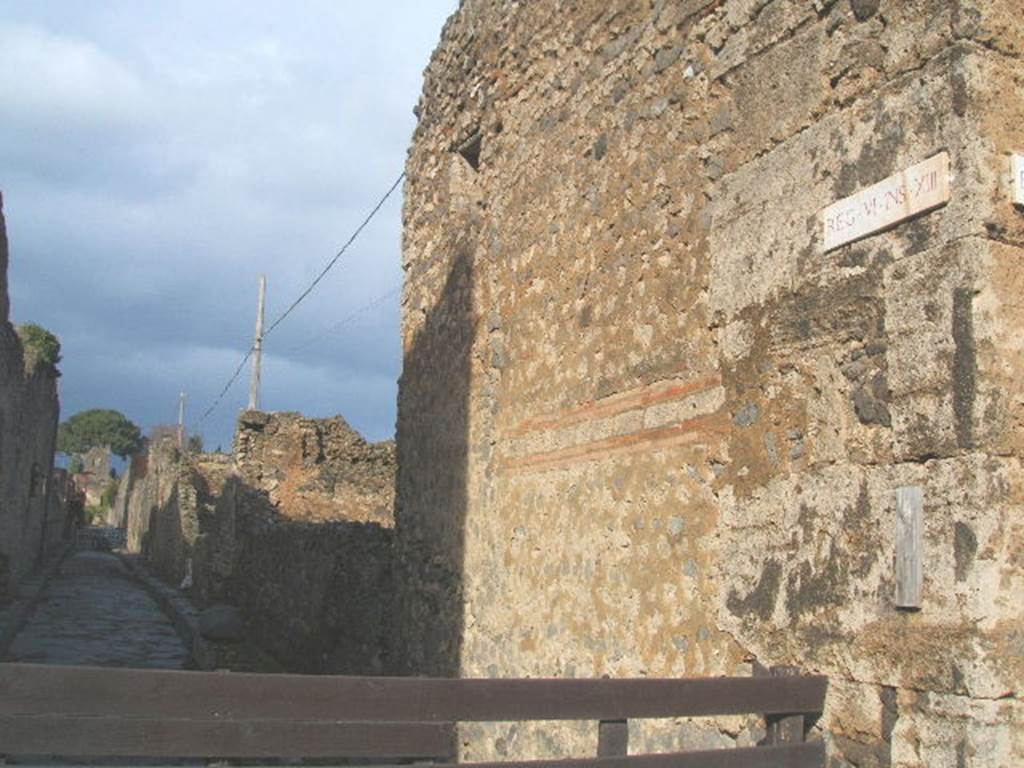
x,y
29,412
317,596
649,426
177,525
151,485
294,528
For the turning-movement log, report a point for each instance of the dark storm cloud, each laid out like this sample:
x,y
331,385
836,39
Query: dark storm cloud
x,y
156,158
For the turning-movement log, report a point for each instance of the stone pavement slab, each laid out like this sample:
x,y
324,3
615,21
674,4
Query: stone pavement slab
x,y
94,613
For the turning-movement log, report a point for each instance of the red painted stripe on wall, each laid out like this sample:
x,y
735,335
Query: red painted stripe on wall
x,y
689,431
613,405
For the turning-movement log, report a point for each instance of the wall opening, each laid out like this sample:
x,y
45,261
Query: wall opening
x,y
470,150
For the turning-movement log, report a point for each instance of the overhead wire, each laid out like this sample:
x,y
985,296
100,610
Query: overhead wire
x,y
335,327
302,296
227,386
337,256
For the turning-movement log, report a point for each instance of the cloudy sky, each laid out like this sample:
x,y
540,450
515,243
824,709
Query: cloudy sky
x,y
156,157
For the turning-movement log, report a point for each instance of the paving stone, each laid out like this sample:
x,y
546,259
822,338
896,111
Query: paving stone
x,y
92,613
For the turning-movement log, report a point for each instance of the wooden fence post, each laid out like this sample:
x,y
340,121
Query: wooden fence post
x,y
613,738
784,729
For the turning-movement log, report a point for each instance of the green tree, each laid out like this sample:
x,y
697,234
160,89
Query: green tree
x,y
109,494
195,444
98,426
43,344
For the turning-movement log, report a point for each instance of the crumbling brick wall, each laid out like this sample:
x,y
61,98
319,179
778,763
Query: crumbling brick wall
x,y
29,411
647,426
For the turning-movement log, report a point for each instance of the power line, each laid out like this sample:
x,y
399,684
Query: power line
x,y
335,327
224,391
302,296
337,256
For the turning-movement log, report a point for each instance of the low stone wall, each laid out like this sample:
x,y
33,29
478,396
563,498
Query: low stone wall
x,y
318,596
294,528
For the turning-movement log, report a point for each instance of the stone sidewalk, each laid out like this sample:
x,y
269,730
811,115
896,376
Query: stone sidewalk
x,y
93,612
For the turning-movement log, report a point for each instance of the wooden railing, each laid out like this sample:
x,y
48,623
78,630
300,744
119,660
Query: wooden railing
x,y
93,712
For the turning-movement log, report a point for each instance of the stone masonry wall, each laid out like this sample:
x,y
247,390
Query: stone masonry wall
x,y
60,517
647,426
29,412
294,528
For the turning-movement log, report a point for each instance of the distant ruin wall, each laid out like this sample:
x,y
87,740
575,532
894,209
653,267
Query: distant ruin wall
x,y
95,477
648,426
316,469
151,482
117,515
29,412
294,528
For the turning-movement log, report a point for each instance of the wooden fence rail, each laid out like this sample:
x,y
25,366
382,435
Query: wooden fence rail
x,y
86,711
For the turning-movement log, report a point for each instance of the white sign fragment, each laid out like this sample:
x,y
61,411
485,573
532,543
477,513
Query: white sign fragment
x,y
1017,170
913,190
909,538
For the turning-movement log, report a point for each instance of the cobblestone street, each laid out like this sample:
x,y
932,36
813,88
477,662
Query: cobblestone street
x,y
94,613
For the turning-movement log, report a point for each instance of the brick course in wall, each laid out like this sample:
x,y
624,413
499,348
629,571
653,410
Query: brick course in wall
x,y
647,426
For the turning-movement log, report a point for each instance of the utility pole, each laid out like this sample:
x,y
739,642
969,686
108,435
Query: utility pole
x,y
181,420
257,349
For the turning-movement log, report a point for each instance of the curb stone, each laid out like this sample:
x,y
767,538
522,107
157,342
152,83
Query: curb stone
x,y
183,615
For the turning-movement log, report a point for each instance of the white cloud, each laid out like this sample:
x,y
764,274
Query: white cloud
x,y
51,81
